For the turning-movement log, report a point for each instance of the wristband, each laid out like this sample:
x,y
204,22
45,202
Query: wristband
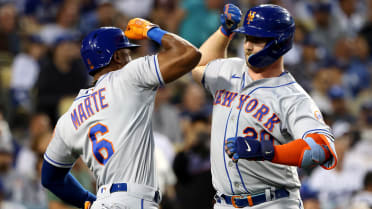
x,y
156,34
225,32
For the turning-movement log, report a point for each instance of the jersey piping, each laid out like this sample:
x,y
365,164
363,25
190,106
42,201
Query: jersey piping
x,y
157,71
237,126
57,163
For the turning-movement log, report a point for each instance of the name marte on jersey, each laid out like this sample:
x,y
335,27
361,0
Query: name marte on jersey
x,y
249,105
84,109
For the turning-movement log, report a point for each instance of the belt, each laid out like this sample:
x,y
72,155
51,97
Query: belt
x,y
123,187
240,201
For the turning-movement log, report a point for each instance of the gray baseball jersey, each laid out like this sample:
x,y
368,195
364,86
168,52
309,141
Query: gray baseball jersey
x,y
275,109
109,126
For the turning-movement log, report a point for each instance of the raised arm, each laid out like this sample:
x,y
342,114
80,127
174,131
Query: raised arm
x,y
215,46
177,57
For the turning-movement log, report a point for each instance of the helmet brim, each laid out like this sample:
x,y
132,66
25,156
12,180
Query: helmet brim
x,y
130,46
256,32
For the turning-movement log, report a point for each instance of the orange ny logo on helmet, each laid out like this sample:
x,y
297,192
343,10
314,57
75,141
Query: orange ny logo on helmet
x,y
250,16
90,63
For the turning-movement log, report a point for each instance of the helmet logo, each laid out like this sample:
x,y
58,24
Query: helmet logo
x,y
90,64
250,16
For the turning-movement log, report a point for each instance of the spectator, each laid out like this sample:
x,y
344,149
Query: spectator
x,y
349,17
293,56
326,30
309,196
9,32
64,66
336,186
39,126
365,195
166,117
324,78
366,30
340,110
357,75
4,204
65,25
30,192
360,157
12,182
103,15
24,78
194,102
167,14
192,167
134,8
41,11
312,58
342,52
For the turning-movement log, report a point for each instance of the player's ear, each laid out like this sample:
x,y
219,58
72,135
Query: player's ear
x,y
117,57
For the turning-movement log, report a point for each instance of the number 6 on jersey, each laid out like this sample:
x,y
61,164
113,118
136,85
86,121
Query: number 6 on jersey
x,y
102,148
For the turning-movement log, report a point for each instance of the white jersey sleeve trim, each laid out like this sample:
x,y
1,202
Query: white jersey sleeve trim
x,y
321,131
57,164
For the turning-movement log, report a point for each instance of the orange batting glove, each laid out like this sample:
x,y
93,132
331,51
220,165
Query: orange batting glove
x,y
137,28
87,204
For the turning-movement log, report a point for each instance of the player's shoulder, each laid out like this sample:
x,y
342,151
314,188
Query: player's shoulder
x,y
225,66
291,94
228,61
140,61
132,68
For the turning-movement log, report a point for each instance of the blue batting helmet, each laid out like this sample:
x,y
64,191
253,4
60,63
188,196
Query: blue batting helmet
x,y
98,47
269,21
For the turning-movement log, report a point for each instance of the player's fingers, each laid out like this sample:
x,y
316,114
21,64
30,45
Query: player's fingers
x,y
231,148
231,140
87,205
228,151
235,157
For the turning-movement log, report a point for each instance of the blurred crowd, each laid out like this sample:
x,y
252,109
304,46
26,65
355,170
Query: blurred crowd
x,y
41,72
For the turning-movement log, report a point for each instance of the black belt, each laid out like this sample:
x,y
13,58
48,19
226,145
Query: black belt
x,y
241,201
123,187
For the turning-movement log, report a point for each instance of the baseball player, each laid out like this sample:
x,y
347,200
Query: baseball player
x,y
264,125
109,124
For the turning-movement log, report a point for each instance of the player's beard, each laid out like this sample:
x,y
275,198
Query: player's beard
x,y
247,55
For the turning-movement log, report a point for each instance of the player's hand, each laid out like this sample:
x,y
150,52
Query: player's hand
x,y
251,149
87,204
137,28
230,18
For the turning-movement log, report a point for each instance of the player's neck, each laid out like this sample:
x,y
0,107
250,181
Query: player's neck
x,y
105,70
273,70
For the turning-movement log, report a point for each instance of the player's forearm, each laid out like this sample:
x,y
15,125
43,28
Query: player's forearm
x,y
214,47
314,149
308,152
61,183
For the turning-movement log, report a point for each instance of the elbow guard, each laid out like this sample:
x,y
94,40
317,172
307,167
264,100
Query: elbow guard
x,y
316,155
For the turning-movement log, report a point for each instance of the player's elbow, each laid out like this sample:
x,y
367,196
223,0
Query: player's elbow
x,y
179,62
189,57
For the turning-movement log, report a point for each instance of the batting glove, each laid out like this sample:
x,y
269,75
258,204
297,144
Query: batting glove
x,y
137,28
251,149
87,204
230,18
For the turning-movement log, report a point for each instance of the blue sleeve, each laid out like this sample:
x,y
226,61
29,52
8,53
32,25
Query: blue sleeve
x,y
60,182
